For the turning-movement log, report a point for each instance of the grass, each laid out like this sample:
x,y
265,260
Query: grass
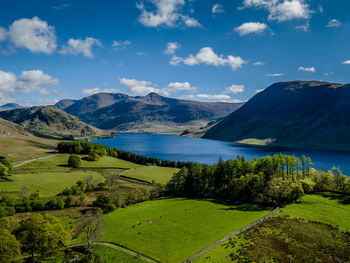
x,y
172,230
48,184
24,147
59,162
326,208
111,255
160,175
259,142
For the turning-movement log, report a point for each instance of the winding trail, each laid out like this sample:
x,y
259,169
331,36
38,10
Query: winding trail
x,y
227,237
122,249
16,164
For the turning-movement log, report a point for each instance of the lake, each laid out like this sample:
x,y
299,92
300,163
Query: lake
x,y
177,148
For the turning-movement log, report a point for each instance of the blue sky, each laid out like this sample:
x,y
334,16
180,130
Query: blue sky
x,y
208,50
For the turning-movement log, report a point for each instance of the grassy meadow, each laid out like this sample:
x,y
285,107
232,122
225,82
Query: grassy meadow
x,y
111,255
160,175
172,230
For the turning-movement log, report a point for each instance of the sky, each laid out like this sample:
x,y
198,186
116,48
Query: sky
x,y
206,50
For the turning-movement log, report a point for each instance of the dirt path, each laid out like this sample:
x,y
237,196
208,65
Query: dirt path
x,y
16,164
227,237
122,249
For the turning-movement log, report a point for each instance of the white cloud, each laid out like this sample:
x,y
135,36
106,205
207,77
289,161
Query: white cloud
x,y
33,34
259,90
281,10
80,46
259,63
98,90
274,75
234,89
217,9
119,45
3,34
346,62
207,56
140,53
310,69
60,7
166,13
334,23
177,86
171,48
304,27
250,28
32,81
213,97
138,87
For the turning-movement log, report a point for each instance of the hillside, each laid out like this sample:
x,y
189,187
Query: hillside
x,y
10,106
151,113
50,121
14,137
308,114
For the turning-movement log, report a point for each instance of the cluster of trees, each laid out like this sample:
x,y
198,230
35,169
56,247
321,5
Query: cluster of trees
x,y
93,149
267,180
40,235
6,167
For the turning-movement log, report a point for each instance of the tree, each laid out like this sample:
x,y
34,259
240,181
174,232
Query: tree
x,y
9,247
93,157
4,171
74,161
104,203
92,226
8,164
42,234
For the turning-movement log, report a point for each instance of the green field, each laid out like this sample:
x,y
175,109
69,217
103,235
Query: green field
x,y
160,175
171,230
59,162
111,255
47,183
326,208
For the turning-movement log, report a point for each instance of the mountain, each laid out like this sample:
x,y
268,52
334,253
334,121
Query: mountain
x,y
10,106
306,114
50,121
151,113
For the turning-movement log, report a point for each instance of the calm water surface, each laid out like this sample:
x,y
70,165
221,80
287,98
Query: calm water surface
x,y
172,147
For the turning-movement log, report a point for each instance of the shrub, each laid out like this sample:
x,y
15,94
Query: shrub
x,y
104,203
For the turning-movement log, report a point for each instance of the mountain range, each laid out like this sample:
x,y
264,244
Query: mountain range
x,y
306,114
10,106
150,113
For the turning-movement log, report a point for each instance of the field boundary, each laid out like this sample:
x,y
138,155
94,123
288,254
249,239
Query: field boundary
x,y
227,237
16,164
122,249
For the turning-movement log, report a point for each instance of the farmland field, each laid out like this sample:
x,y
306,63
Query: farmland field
x,y
172,230
160,175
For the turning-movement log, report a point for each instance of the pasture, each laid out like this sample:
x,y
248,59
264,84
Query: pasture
x,y
160,175
171,230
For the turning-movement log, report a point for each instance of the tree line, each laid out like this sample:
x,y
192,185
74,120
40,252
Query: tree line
x,y
269,180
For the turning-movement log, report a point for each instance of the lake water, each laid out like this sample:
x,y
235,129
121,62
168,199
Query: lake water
x,y
177,148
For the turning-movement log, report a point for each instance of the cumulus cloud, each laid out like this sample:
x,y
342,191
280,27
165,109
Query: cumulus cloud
x,y
98,90
259,63
166,13
217,9
250,28
31,81
304,27
310,69
138,87
33,34
346,62
171,48
207,56
3,34
334,23
119,45
281,10
176,87
80,46
234,89
274,75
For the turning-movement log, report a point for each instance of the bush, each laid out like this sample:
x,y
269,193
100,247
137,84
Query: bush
x,y
74,161
104,203
8,164
93,157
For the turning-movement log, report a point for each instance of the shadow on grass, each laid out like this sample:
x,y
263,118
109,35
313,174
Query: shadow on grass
x,y
341,198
